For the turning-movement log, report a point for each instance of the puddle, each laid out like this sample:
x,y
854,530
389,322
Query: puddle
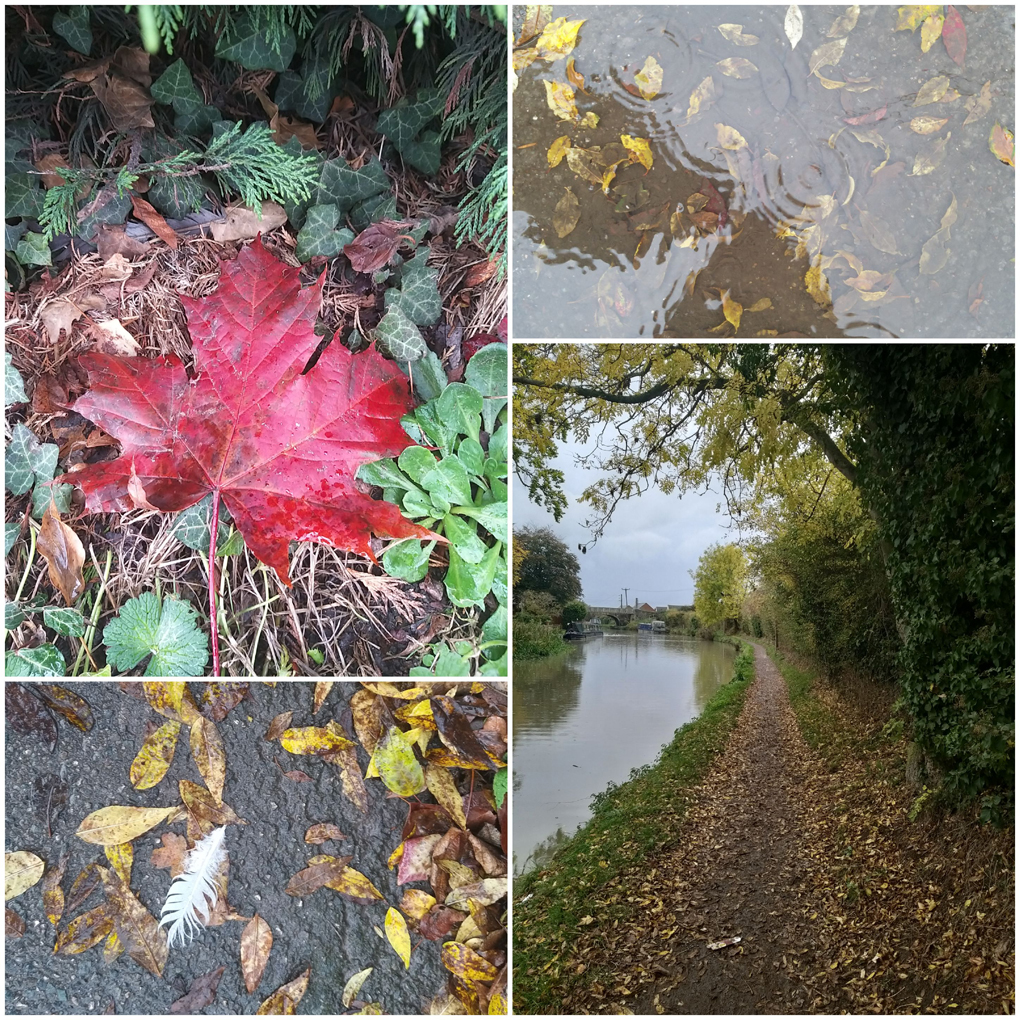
x,y
816,206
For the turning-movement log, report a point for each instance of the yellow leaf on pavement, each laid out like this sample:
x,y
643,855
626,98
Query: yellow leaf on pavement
x,y
931,31
928,125
155,756
932,90
398,767
639,149
760,305
649,79
911,17
560,99
110,826
353,986
558,150
396,932
22,870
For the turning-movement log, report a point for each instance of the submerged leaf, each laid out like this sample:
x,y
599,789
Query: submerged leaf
x,y
567,213
954,35
649,79
574,76
737,67
911,17
929,159
978,105
928,125
817,285
932,90
845,24
558,150
730,138
793,25
1000,141
560,99
931,31
735,35
827,55
878,234
639,149
704,94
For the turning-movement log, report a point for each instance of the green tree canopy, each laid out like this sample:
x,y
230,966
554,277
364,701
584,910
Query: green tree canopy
x,y
720,584
548,565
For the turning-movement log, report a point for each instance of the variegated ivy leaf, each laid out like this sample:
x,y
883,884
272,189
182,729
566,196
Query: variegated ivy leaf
x,y
319,235
398,336
175,86
418,296
72,25
30,464
252,48
34,250
308,95
45,660
23,195
371,210
345,188
14,386
405,125
192,526
68,622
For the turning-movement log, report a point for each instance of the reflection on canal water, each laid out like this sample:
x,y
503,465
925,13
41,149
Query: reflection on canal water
x,y
586,718
859,200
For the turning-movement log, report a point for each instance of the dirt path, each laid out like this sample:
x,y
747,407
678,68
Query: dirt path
x,y
737,871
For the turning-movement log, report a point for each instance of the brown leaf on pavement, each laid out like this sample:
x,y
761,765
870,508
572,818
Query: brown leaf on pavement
x,y
256,942
201,993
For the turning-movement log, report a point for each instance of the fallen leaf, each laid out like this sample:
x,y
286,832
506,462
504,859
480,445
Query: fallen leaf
x,y
398,767
209,756
566,213
928,125
702,94
281,463
155,756
113,338
929,159
932,90
845,23
154,221
954,35
793,25
558,38
931,31
735,35
285,999
112,239
975,295
1000,142
579,160
397,934
560,99
817,285
201,993
116,824
979,104
737,67
649,79
760,305
536,17
353,987
912,16
827,55
730,138
137,929
866,118
285,128
732,310
639,149
256,943
878,234
242,223
47,164
589,120
64,555
22,870
574,76
323,831
376,245
128,103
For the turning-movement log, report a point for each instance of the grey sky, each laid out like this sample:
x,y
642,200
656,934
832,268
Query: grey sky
x,y
649,547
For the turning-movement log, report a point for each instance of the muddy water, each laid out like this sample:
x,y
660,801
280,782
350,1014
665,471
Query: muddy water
x,y
584,719
808,189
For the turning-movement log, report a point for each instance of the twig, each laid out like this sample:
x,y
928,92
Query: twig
x,y
213,623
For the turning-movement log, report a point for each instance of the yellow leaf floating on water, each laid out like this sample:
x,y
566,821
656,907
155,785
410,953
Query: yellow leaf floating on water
x,y
866,280
396,932
932,90
931,31
737,67
928,125
911,17
607,177
567,213
735,35
845,23
730,138
639,149
649,79
827,55
558,38
560,99
977,106
580,161
931,158
1000,141
703,93
817,285
574,76
558,150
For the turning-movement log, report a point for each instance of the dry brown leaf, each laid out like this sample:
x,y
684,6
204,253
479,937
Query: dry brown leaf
x,y
256,943
481,272
376,245
112,239
47,164
211,759
154,221
242,223
64,554
283,1002
136,927
128,103
113,338
60,314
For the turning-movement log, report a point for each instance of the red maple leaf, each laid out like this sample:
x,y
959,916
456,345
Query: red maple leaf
x,y
279,447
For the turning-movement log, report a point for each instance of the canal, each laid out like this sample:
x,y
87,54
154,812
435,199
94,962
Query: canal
x,y
586,718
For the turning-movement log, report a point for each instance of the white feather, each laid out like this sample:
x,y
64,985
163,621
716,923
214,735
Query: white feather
x,y
193,892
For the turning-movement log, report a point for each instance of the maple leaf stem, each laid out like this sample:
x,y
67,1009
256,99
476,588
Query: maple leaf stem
x,y
214,527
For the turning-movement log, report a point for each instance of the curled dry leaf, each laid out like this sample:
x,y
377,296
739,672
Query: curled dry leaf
x,y
64,554
284,1001
243,223
256,943
567,213
113,338
154,221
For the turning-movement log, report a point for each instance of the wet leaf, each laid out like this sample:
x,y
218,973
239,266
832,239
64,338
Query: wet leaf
x,y
954,35
116,824
639,149
398,766
416,903
737,67
845,23
484,892
322,869
64,554
760,305
589,120
256,942
22,870
137,929
323,831
27,715
1000,141
866,118
314,740
536,17
353,986
827,55
817,285
558,150
284,1001
878,234
14,925
702,94
912,16
732,310
201,993
929,159
928,125
978,105
466,964
155,756
558,38
442,786
171,698
580,162
931,31
208,754
649,79
278,725
793,25
350,777
72,707
85,931
52,894
567,213
397,934
735,35
729,138
560,99
354,886
932,90
574,76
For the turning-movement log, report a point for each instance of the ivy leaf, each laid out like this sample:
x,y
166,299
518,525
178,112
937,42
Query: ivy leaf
x,y
14,616
23,195
250,47
175,86
30,464
68,622
14,386
192,527
397,336
281,448
405,125
418,296
12,529
345,188
34,250
45,660
319,235
165,630
72,25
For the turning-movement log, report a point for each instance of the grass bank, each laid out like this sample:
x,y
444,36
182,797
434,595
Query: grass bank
x,y
629,823
533,640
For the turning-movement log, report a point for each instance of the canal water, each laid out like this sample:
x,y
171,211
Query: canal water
x,y
842,187
586,718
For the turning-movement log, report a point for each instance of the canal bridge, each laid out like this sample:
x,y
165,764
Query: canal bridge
x,y
620,615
